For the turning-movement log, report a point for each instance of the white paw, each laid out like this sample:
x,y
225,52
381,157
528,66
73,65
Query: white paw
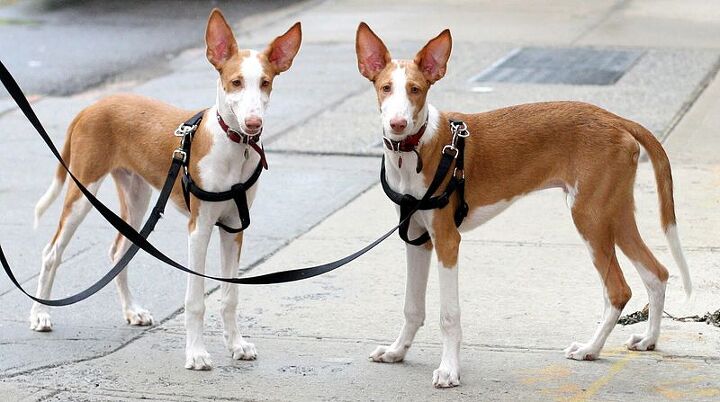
x,y
387,354
445,377
640,342
40,321
244,351
580,351
138,316
198,360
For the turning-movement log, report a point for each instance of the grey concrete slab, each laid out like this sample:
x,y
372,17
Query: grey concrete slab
x,y
665,23
517,21
320,370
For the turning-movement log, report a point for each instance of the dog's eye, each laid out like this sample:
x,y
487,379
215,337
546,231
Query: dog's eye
x,y
386,88
236,83
265,83
414,90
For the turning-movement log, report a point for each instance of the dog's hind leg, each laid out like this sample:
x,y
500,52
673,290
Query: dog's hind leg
x,y
653,274
231,245
418,267
134,194
75,209
598,235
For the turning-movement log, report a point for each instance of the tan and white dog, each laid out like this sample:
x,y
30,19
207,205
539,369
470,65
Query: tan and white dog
x,y
131,138
589,152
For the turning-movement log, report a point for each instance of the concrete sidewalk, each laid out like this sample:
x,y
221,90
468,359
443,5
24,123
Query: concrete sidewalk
x,y
528,288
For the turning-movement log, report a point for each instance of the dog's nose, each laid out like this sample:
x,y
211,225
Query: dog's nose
x,y
398,124
253,123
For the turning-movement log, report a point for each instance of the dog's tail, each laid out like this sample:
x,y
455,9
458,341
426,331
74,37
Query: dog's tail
x,y
58,182
663,178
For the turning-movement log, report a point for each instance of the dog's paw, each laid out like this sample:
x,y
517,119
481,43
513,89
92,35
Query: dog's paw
x,y
387,354
138,316
640,342
243,351
198,360
40,321
445,377
580,351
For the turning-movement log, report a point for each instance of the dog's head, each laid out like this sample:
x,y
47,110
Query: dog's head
x,y
246,76
401,85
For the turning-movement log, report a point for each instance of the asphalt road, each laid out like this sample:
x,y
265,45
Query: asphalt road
x,y
62,47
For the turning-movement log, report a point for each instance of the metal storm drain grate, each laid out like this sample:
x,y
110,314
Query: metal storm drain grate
x,y
571,66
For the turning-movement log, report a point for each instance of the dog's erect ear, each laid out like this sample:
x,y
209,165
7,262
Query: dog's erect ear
x,y
283,49
372,54
221,45
433,58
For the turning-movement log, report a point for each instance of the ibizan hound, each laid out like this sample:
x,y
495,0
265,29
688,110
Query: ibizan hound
x,y
589,152
131,138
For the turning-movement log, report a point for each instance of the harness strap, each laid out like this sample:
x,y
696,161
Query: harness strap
x,y
237,193
409,204
459,173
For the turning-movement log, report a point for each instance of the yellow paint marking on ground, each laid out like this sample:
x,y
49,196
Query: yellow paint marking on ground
x,y
705,392
598,384
686,388
551,372
669,393
556,393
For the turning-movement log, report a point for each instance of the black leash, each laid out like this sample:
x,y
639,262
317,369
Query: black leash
x,y
409,204
139,239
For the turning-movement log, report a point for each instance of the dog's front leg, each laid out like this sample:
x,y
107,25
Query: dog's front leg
x,y
418,266
196,356
230,257
447,243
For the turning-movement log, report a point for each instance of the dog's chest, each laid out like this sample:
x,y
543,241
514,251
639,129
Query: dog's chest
x,y
226,165
404,179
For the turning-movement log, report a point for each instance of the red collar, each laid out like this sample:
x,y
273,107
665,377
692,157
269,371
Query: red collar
x,y
408,143
242,138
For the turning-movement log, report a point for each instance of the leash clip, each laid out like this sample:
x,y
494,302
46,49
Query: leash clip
x,y
459,128
184,130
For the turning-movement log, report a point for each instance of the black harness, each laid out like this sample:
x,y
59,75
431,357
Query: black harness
x,y
237,193
409,204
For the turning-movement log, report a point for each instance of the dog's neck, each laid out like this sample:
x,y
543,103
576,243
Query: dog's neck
x,y
429,115
403,177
